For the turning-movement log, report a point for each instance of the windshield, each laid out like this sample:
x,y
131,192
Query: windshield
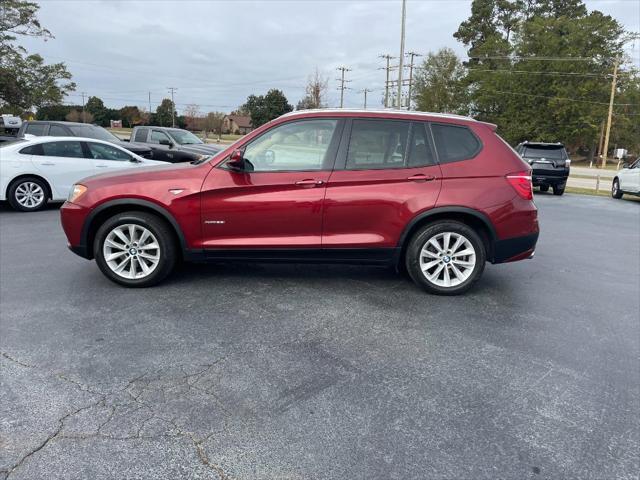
x,y
551,153
93,131
184,138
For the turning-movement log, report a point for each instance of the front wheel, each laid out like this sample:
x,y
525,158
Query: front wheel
x,y
445,257
615,189
135,249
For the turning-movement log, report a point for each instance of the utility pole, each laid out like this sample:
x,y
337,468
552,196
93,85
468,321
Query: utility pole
x,y
388,68
365,91
173,107
609,117
412,55
401,57
149,108
83,114
342,88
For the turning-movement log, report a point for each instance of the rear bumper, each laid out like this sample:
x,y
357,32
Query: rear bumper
x,y
514,249
549,177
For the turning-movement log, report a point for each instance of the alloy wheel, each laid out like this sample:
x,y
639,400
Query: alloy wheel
x,y
29,195
447,259
131,251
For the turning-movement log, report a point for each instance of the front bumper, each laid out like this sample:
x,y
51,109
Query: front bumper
x,y
73,217
514,249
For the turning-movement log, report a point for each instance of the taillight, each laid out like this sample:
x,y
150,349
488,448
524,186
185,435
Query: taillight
x,y
521,183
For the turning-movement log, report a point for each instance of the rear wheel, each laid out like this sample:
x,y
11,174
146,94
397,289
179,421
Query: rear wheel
x,y
135,249
28,194
558,190
544,188
445,257
615,189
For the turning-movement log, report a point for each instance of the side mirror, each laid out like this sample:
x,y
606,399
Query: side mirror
x,y
625,165
165,142
236,162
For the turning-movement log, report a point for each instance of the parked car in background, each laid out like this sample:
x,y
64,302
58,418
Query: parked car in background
x,y
51,128
436,194
550,163
627,180
43,169
9,126
173,144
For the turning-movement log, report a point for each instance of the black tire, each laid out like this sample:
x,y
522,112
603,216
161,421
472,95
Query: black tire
x,y
558,190
26,183
167,251
426,233
544,188
615,189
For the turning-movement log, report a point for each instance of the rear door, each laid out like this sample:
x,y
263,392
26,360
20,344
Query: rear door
x,y
386,172
63,163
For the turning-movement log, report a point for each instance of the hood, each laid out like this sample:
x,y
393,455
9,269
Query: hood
x,y
201,149
135,147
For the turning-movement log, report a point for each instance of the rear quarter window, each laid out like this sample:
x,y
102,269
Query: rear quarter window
x,y
455,142
141,135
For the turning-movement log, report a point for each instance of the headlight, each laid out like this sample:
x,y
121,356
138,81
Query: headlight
x,y
76,192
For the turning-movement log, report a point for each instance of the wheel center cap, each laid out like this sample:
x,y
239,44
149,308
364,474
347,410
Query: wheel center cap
x,y
133,251
446,259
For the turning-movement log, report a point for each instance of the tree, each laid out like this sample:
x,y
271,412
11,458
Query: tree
x,y
439,84
163,112
540,99
192,116
95,106
316,91
264,108
213,123
130,116
79,116
25,80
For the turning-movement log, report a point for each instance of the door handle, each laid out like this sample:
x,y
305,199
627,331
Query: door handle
x,y
421,177
47,164
309,183
102,166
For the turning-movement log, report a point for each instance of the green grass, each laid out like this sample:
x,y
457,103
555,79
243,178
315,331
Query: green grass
x,y
601,193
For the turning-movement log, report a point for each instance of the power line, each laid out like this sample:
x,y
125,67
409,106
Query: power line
x,y
388,68
342,81
526,72
561,98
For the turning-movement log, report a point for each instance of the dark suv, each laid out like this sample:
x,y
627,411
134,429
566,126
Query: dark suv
x,y
550,163
48,128
437,195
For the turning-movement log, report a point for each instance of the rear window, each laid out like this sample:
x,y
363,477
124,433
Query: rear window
x,y
141,135
550,152
454,142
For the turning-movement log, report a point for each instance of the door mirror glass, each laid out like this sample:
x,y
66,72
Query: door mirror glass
x,y
236,162
165,141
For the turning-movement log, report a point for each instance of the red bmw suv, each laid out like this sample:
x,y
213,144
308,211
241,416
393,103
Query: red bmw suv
x,y
437,195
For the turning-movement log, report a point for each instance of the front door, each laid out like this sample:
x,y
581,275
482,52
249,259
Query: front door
x,y
277,202
385,173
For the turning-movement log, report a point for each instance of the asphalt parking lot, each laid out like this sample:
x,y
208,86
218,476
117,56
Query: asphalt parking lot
x,y
325,372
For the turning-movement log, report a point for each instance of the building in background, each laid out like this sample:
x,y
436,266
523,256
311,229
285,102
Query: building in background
x,y
237,124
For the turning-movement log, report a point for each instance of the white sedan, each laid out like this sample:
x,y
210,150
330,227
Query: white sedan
x,y
627,180
40,169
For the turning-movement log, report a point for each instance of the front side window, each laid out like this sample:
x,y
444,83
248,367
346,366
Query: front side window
x,y
157,136
454,142
100,151
294,146
36,129
67,149
377,144
58,131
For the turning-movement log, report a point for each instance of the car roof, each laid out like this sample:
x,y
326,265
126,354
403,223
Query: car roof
x,y
45,138
61,122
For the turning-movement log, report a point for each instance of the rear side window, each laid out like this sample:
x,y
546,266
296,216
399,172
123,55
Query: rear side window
x,y
141,135
58,131
377,144
420,149
100,151
36,129
32,150
454,142
62,149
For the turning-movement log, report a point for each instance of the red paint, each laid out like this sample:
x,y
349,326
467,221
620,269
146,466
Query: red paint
x,y
346,209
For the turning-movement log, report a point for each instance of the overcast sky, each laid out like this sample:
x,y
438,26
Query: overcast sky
x,y
216,53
